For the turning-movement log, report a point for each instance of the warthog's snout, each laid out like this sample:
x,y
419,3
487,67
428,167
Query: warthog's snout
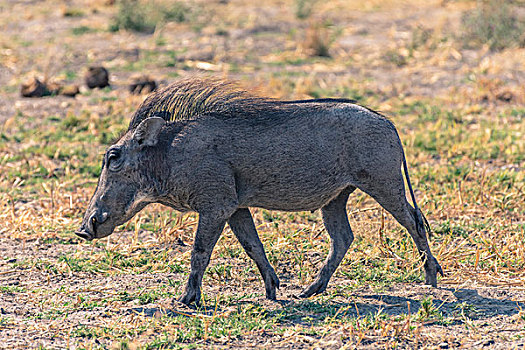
x,y
82,233
88,230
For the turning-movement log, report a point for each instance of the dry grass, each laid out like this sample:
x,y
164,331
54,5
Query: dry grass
x,y
460,113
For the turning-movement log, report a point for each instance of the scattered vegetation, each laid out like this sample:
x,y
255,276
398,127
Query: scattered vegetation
x,y
146,15
318,39
420,37
493,23
82,30
72,12
395,57
304,8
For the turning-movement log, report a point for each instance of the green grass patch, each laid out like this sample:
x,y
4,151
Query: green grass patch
x,y
81,30
145,16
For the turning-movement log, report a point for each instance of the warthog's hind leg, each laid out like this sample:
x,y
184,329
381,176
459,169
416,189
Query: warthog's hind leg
x,y
336,222
391,196
405,214
242,225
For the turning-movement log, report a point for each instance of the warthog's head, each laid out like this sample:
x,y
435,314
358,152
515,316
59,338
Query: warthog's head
x,y
128,180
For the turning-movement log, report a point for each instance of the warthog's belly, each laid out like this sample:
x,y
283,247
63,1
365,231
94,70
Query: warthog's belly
x,y
294,202
294,186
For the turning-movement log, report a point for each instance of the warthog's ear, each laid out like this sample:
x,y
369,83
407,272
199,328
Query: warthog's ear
x,y
147,133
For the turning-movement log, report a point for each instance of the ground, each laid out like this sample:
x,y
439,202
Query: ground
x,y
459,107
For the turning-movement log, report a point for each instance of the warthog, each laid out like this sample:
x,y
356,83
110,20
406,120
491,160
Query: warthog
x,y
209,147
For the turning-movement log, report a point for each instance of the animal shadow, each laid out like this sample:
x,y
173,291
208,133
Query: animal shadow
x,y
453,303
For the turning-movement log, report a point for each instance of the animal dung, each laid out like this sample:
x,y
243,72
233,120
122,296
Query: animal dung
x,y
33,88
97,77
53,88
70,90
505,96
142,84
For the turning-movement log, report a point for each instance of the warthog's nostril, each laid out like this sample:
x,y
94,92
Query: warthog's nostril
x,y
92,224
94,221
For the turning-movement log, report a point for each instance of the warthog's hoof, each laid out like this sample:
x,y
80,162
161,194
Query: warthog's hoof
x,y
271,286
315,288
190,298
431,271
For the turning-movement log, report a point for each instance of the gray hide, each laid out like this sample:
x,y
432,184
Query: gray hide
x,y
230,151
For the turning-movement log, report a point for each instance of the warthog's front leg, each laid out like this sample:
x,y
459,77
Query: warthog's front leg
x,y
341,236
242,225
208,232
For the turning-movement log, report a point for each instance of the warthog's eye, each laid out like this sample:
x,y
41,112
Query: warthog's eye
x,y
114,159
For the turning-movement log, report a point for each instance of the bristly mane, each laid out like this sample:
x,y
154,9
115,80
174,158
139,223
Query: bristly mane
x,y
188,99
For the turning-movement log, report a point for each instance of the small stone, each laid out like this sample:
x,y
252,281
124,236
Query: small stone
x,y
97,77
444,345
33,88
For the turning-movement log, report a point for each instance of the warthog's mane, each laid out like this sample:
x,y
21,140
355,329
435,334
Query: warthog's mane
x,y
188,99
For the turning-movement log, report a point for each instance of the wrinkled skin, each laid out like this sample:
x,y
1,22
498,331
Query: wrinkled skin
x,y
219,167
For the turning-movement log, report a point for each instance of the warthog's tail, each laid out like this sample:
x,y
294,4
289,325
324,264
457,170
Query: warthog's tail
x,y
422,224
